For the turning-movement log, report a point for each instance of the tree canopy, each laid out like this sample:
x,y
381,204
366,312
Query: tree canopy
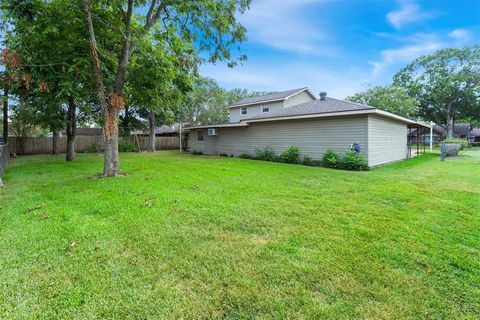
x,y
391,98
446,85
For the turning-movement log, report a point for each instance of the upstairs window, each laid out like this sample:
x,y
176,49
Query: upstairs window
x,y
265,109
244,110
200,137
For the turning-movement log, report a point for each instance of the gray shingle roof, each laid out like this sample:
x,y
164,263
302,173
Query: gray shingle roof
x,y
315,107
268,97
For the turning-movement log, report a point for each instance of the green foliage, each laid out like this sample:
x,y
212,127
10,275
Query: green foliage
x,y
392,99
463,142
197,153
330,159
446,85
291,155
266,154
93,148
207,102
247,156
354,161
125,146
307,161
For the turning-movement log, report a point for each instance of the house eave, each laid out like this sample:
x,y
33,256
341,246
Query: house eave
x,y
369,111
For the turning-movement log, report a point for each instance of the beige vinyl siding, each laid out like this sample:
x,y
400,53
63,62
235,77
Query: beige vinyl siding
x,y
253,110
299,98
313,136
387,140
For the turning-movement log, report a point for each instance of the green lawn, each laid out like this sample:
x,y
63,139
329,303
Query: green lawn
x,y
186,236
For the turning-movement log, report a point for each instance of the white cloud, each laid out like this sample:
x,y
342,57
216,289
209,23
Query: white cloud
x,y
282,25
403,55
409,12
460,34
414,46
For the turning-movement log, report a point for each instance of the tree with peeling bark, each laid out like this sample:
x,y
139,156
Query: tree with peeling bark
x,y
446,85
210,24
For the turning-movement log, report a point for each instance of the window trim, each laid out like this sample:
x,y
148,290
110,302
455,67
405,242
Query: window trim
x,y
265,107
203,136
242,109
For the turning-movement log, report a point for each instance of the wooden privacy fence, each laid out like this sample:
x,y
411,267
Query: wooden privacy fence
x,y
4,156
43,145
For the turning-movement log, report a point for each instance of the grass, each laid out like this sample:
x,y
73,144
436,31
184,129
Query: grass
x,y
186,236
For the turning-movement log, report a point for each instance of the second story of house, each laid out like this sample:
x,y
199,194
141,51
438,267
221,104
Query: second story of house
x,y
270,103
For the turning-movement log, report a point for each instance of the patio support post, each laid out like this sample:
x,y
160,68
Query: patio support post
x,y
416,136
423,141
431,136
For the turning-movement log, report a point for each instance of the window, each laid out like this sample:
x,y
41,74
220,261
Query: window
x,y
265,109
200,137
244,110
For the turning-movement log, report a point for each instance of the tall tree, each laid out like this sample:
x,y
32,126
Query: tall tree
x,y
446,84
157,81
50,38
211,24
392,99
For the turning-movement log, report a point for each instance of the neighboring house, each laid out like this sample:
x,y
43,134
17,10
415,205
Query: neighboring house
x,y
91,132
296,117
439,133
162,131
475,135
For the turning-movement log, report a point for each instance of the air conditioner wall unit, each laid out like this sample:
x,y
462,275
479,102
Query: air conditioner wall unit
x,y
212,131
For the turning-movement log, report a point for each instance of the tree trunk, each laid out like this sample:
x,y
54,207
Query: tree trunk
x,y
151,135
71,129
55,136
110,129
450,120
5,115
126,121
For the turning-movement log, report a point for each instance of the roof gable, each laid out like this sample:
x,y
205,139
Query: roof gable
x,y
276,96
315,107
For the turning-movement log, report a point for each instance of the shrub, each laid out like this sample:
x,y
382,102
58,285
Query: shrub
x,y
354,161
266,154
223,155
124,146
464,142
197,153
291,155
247,156
307,161
93,148
330,159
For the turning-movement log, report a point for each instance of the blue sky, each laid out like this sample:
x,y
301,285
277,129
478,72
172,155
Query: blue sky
x,y
343,46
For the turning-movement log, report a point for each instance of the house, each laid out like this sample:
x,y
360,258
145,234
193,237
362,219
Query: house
x,y
162,131
91,132
297,117
475,135
439,133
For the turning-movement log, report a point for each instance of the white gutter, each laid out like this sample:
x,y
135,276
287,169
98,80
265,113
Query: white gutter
x,y
245,123
226,125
